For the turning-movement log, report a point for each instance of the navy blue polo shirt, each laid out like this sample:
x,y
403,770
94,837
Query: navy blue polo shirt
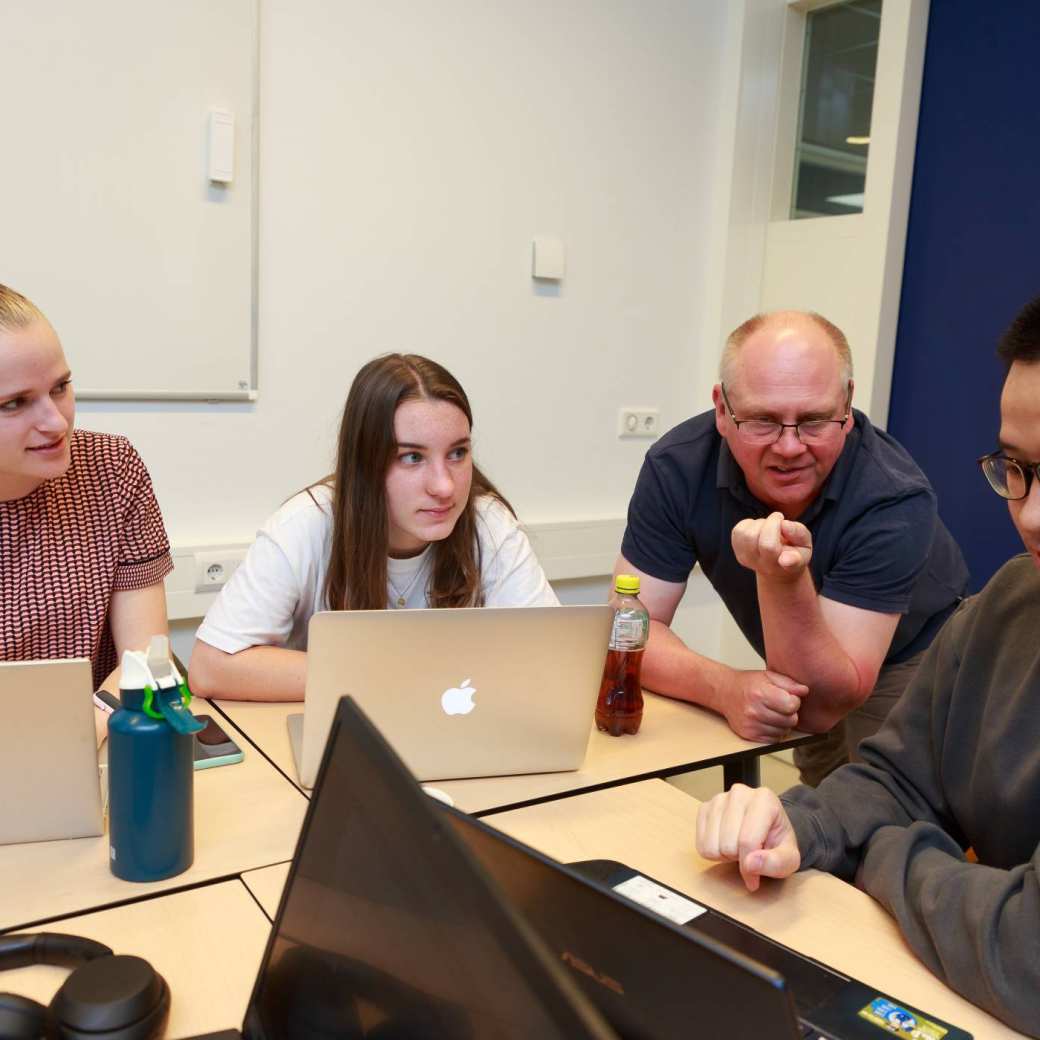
x,y
878,542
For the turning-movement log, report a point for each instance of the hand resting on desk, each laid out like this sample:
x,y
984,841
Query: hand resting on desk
x,y
763,705
749,825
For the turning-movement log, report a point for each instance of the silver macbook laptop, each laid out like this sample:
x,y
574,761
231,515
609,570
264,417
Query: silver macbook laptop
x,y
48,752
458,693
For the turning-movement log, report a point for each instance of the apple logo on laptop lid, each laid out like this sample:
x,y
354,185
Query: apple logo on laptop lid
x,y
459,699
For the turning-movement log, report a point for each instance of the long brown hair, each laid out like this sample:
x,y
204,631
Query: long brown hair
x,y
357,575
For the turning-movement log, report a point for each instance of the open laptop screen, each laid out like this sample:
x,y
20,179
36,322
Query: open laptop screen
x,y
388,928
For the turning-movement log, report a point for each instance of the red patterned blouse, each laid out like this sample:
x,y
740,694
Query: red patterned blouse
x,y
67,546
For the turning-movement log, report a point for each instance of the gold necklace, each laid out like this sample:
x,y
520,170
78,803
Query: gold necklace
x,y
398,597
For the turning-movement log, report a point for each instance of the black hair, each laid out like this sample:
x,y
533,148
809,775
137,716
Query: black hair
x,y
1021,342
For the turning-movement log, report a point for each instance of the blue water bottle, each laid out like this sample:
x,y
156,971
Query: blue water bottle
x,y
151,769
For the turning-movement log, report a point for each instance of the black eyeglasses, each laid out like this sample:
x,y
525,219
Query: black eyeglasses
x,y
810,431
1010,478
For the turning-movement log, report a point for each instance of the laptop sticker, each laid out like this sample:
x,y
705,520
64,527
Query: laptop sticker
x,y
661,900
898,1021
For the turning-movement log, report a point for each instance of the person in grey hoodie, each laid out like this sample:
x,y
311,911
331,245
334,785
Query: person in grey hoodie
x,y
956,766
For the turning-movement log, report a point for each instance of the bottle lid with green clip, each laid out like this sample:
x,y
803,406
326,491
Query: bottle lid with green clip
x,y
627,584
150,682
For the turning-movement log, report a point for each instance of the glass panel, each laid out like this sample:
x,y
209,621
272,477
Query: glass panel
x,y
830,172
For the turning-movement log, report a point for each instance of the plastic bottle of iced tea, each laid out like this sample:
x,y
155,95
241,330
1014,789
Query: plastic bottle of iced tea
x,y
620,706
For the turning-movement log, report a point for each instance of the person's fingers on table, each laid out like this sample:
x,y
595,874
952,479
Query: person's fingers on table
x,y
778,862
757,826
731,821
709,834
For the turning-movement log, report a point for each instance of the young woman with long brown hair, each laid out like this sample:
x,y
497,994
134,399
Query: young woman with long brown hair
x,y
406,520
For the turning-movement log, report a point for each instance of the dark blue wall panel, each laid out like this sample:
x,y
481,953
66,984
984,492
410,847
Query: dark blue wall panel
x,y
972,256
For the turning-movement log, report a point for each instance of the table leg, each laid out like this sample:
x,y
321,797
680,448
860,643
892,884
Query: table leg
x,y
743,771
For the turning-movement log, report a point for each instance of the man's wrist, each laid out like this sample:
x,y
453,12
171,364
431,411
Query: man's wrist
x,y
784,578
719,683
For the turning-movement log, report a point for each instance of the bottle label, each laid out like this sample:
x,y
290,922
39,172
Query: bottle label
x,y
628,634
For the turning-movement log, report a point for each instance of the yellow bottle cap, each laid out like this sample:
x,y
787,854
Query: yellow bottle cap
x,y
627,584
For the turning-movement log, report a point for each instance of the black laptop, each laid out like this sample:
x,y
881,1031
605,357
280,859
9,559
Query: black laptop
x,y
708,976
388,929
404,918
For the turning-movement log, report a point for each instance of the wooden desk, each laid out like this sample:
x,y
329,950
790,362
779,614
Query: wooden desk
x,y
207,943
650,827
675,737
266,884
246,816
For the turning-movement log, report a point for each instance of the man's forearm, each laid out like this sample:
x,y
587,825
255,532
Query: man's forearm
x,y
672,668
800,644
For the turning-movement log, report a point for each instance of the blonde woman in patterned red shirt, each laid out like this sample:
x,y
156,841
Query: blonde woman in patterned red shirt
x,y
83,551
406,520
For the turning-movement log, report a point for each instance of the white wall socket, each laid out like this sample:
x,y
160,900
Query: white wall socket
x,y
213,569
639,422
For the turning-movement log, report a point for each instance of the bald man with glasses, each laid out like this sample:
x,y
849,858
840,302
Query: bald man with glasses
x,y
818,531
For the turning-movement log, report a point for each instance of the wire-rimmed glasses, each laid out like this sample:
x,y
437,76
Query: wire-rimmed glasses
x,y
809,431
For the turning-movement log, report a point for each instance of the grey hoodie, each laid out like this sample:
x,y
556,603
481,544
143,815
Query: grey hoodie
x,y
956,765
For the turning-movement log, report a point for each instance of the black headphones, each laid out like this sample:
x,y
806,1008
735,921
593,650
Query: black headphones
x,y
107,997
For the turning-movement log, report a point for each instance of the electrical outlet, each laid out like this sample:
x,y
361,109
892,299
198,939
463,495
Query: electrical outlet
x,y
639,422
213,569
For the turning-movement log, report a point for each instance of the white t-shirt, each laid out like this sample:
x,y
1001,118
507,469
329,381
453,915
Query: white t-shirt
x,y
281,583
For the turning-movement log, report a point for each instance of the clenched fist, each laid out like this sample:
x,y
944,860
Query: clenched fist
x,y
749,825
774,547
763,705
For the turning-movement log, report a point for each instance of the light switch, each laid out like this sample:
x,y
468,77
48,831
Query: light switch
x,y
221,145
548,256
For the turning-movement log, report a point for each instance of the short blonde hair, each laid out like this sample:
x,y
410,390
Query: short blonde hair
x,y
742,332
17,311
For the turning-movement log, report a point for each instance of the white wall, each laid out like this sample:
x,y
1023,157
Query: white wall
x,y
848,268
409,152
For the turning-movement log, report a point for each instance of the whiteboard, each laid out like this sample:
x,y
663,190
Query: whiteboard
x,y
146,268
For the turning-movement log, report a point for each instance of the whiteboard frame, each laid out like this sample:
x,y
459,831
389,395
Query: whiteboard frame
x,y
252,391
